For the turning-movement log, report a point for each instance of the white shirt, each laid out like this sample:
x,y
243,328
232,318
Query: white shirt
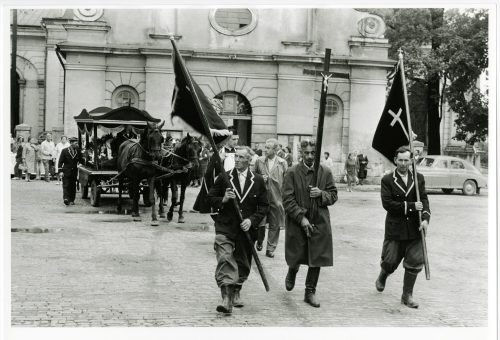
x,y
404,178
242,176
270,163
48,149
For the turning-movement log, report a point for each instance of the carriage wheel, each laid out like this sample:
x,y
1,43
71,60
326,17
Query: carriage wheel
x,y
145,196
95,194
85,191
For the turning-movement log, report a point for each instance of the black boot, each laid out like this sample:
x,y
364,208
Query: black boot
x,y
380,283
408,283
290,278
226,306
236,297
311,282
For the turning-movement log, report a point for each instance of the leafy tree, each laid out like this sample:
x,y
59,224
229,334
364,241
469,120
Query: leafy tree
x,y
444,54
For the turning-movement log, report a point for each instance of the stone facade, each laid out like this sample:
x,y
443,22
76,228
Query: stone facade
x,y
82,58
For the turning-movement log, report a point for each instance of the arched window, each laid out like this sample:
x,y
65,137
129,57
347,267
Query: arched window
x,y
232,103
125,96
332,106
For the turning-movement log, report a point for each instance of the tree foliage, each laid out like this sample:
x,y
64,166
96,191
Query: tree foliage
x,y
451,46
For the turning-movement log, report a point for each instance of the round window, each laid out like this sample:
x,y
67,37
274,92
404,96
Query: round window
x,y
233,21
125,96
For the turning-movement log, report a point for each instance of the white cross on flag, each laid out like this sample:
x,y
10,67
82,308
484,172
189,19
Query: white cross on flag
x,y
392,129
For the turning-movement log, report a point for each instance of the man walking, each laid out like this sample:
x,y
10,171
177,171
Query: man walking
x,y
233,251
273,169
402,240
228,152
48,153
308,239
68,162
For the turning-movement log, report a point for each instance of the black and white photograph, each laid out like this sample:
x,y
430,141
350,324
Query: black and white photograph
x,y
249,170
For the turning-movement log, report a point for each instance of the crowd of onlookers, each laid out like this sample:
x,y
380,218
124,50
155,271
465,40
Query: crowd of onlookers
x,y
36,158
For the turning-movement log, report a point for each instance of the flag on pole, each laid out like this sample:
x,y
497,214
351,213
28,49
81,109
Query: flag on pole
x,y
183,102
392,130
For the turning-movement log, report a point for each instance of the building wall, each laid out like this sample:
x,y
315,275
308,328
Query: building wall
x,y
276,67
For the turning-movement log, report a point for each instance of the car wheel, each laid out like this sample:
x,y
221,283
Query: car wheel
x,y
469,188
447,191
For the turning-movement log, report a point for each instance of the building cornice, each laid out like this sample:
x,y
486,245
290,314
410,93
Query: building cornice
x,y
225,55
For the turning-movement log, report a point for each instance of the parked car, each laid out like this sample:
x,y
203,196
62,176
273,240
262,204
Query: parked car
x,y
449,173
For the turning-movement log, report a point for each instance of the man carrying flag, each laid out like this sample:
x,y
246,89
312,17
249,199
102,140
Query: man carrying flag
x,y
407,209
241,201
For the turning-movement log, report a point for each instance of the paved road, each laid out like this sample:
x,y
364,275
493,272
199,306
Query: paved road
x,y
96,268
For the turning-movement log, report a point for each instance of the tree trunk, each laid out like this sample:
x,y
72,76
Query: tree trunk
x,y
433,96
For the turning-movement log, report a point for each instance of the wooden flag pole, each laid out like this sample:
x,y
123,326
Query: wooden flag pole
x,y
415,177
206,128
319,131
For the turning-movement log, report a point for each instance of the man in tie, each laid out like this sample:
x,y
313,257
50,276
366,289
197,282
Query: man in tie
x,y
402,238
233,250
68,163
272,168
308,236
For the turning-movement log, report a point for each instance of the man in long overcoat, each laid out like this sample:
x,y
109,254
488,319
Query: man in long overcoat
x,y
402,238
68,169
308,237
233,251
273,169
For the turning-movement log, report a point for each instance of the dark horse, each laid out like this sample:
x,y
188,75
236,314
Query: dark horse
x,y
183,160
136,160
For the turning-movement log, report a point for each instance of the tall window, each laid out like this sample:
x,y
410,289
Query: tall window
x,y
332,106
125,96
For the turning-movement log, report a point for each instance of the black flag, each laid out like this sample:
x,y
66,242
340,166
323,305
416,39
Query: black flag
x,y
183,102
392,130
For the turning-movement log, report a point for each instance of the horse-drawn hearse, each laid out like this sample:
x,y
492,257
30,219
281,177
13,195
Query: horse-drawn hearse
x,y
124,149
103,130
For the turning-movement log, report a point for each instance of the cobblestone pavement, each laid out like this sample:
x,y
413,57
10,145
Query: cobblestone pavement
x,y
97,268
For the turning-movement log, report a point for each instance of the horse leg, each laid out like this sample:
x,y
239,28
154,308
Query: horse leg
x,y
154,218
160,189
181,201
170,214
135,200
119,207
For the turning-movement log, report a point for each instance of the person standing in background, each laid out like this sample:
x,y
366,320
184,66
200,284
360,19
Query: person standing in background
x,y
273,169
350,170
48,151
18,173
227,153
29,156
59,147
362,167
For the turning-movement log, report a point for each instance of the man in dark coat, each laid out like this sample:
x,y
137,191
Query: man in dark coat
x,y
233,251
68,162
402,238
308,239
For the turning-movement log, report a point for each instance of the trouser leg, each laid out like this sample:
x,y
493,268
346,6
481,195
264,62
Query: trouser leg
x,y
46,168
72,189
243,256
226,272
392,253
261,235
273,236
311,283
65,186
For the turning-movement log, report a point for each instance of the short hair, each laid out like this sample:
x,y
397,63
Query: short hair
x,y
274,141
327,153
244,147
307,142
403,149
64,137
